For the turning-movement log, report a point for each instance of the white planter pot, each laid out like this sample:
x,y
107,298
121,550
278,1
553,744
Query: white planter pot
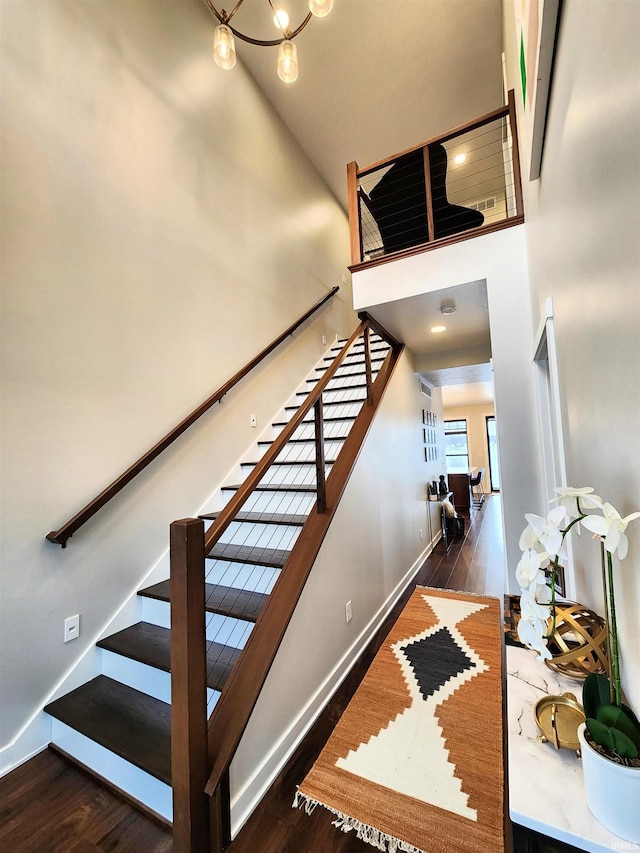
x,y
612,792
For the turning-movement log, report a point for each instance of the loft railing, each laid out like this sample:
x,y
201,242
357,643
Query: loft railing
x,y
60,536
459,185
202,823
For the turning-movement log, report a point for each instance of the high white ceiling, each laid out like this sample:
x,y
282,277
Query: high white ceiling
x,y
376,77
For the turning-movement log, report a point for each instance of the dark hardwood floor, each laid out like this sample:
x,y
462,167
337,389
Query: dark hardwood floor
x,y
50,806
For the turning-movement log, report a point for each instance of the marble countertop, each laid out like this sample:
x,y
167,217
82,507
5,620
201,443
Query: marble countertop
x,y
546,791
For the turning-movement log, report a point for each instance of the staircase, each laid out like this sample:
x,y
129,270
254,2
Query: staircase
x,y
118,725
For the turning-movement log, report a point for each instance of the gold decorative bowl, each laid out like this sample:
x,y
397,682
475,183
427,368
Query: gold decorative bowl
x,y
558,718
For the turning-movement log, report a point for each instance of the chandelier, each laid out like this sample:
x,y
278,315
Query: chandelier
x,y
224,47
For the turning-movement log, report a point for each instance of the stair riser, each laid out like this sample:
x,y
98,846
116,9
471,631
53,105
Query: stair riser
x,y
307,430
352,366
306,452
280,502
242,576
154,682
148,790
221,629
336,395
263,535
296,474
340,410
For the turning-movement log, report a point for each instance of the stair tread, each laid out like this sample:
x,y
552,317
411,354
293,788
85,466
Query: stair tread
x,y
288,518
325,420
276,487
330,403
339,388
125,721
151,644
293,462
252,554
226,600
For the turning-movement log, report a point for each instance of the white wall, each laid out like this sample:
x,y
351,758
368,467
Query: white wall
x,y
475,416
369,554
160,227
583,227
500,259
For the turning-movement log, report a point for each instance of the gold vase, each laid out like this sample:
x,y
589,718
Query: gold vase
x,y
579,641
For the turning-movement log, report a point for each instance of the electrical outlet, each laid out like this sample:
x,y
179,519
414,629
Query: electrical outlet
x,y
344,278
253,420
72,628
421,533
324,339
348,611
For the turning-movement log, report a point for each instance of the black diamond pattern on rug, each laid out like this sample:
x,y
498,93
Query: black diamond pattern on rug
x,y
435,660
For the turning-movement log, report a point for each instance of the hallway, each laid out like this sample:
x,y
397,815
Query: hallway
x,y
50,806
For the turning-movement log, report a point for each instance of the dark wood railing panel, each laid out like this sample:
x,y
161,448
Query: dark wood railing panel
x,y
60,536
241,691
188,688
228,513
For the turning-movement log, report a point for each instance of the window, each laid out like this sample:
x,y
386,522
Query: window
x,y
456,447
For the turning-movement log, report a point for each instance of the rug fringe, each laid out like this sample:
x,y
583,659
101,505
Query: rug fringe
x,y
369,834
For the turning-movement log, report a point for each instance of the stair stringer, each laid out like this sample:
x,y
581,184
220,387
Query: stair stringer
x,y
318,647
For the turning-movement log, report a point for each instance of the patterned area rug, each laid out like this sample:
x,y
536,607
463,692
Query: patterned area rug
x,y
415,763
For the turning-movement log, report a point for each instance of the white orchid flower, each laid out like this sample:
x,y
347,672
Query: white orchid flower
x,y
611,527
541,592
532,635
531,610
568,497
529,569
547,530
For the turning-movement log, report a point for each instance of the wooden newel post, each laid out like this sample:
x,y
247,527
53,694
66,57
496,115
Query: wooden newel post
x,y
188,688
354,212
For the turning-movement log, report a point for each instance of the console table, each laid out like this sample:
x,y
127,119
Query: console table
x,y
546,791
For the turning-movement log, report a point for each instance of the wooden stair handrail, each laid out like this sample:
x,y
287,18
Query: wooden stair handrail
x,y
240,693
60,536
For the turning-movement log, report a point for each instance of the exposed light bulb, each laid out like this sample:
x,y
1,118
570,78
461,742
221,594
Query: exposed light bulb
x,y
320,8
281,19
224,47
287,62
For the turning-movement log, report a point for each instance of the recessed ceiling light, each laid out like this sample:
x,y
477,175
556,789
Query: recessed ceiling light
x,y
459,159
437,329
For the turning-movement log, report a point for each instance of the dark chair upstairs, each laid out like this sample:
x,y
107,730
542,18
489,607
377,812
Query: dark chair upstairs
x,y
398,202
477,492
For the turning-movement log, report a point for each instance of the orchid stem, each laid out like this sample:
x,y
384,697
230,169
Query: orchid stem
x,y
614,635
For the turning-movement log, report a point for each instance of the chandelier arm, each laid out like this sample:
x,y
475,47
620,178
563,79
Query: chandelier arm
x,y
234,10
260,42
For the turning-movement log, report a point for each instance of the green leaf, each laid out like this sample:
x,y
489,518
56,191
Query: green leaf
x,y
616,718
611,738
600,733
595,692
623,745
